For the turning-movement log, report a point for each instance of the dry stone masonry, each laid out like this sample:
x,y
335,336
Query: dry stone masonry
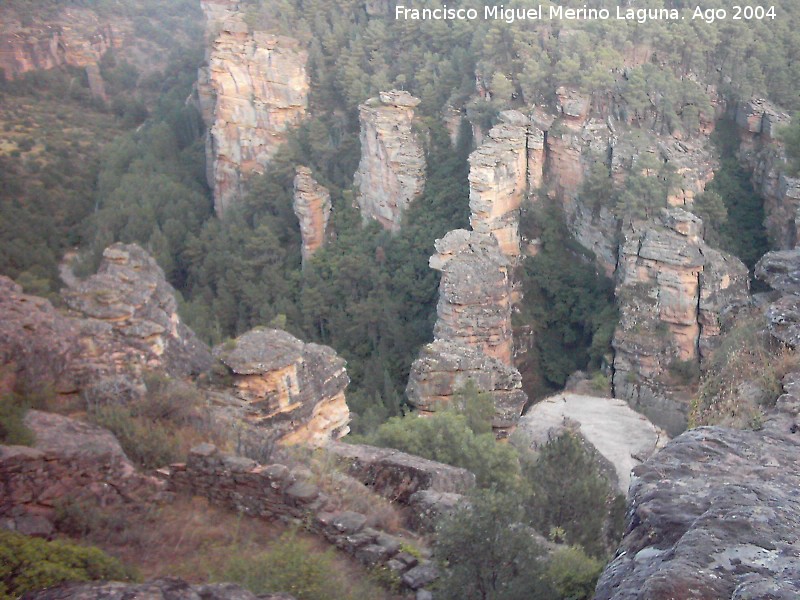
x,y
253,89
391,173
312,205
288,388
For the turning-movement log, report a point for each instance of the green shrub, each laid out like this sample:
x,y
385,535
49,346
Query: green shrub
x,y
294,567
572,573
13,431
149,444
28,564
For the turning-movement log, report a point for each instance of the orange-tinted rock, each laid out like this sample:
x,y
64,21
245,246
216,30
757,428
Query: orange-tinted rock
x,y
312,205
391,173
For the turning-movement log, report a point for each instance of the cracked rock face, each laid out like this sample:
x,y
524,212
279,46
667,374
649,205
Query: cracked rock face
x,y
252,91
130,298
498,178
391,173
312,205
760,153
289,387
781,271
675,293
473,334
714,515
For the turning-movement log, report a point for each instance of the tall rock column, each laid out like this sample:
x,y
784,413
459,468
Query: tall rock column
x,y
498,180
473,339
391,173
312,205
253,90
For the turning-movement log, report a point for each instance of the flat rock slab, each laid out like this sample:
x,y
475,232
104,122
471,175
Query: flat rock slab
x,y
620,434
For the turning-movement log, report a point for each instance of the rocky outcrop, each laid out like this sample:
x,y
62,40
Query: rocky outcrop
x,y
312,205
474,307
473,334
274,491
758,122
499,178
165,588
674,293
620,436
129,299
252,91
444,367
781,271
713,515
396,475
70,460
75,37
291,390
391,173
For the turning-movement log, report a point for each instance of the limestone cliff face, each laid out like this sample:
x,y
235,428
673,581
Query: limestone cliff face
x,y
674,294
293,389
473,334
75,37
391,173
252,91
312,205
764,156
499,178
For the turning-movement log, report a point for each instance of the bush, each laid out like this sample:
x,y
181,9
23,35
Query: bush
x,y
572,573
485,552
148,444
28,564
294,567
13,431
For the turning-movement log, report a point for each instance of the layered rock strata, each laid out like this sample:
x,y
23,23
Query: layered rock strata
x,y
675,293
391,173
74,37
502,170
252,91
781,271
291,390
758,122
473,334
124,321
70,461
713,515
130,298
312,205
620,436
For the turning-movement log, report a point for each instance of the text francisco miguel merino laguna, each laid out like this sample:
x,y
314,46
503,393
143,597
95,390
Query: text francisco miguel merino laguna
x,y
499,12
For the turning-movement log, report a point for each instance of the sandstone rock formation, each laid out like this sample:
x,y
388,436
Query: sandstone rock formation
x,y
499,178
713,515
621,436
474,307
391,173
253,89
397,475
130,297
75,37
70,460
165,588
473,334
312,205
763,155
674,293
292,390
781,271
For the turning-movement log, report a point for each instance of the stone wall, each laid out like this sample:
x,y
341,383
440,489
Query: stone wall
x,y
277,492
